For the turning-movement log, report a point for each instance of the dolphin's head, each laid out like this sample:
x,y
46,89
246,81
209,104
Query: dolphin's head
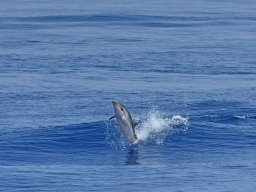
x,y
120,110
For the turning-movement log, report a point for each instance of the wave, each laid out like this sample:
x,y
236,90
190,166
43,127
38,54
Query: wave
x,y
154,21
245,116
154,129
125,17
175,133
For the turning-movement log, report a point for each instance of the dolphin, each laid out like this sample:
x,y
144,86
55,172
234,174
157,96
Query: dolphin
x,y
125,121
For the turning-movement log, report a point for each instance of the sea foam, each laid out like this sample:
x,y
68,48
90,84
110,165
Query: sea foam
x,y
156,127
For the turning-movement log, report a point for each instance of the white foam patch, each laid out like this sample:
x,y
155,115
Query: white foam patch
x,y
155,128
245,116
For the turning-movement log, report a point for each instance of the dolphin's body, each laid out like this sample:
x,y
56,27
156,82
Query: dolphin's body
x,y
125,121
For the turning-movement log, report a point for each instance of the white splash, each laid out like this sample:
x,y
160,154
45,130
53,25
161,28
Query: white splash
x,y
156,128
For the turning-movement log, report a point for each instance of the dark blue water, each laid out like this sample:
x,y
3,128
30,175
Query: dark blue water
x,y
186,70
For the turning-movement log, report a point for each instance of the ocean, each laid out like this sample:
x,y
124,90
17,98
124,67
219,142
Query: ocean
x,y
186,71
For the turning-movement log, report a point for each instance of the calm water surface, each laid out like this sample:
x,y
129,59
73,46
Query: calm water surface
x,y
186,70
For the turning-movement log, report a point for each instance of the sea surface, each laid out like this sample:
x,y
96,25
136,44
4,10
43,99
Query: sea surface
x,y
186,71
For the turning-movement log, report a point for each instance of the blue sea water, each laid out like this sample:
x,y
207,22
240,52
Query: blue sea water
x,y
185,69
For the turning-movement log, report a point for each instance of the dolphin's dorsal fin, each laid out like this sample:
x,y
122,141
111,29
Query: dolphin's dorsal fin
x,y
134,123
